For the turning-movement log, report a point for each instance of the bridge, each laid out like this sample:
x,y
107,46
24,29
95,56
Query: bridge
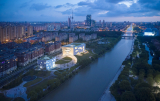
x,y
123,37
128,35
127,31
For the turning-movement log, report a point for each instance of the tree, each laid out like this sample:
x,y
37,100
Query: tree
x,y
150,80
38,89
157,78
128,96
156,67
144,94
158,97
122,77
125,85
32,95
143,84
155,89
18,99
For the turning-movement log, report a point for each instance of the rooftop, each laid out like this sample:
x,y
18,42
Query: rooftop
x,y
148,30
45,57
73,45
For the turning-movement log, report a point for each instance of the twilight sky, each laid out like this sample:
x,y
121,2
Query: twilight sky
x,y
59,10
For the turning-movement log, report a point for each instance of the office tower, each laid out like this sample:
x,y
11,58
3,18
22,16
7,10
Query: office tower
x,y
103,24
72,21
99,21
29,31
20,31
69,22
111,24
88,20
106,24
93,22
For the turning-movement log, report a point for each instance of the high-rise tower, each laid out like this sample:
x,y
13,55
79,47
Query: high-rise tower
x,y
69,22
88,20
72,20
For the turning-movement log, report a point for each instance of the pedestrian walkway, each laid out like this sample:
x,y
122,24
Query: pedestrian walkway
x,y
18,91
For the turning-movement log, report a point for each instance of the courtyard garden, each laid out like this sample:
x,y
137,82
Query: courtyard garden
x,y
64,60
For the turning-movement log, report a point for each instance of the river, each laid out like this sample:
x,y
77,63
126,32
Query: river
x,y
89,83
150,56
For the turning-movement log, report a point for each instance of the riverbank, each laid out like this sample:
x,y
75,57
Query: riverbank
x,y
107,96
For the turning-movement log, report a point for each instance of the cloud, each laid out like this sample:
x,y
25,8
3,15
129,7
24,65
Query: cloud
x,y
65,5
152,4
117,1
82,3
58,6
118,8
39,7
24,5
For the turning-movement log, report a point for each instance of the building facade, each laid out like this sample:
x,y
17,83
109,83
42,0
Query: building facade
x,y
8,63
73,49
88,20
46,62
29,31
73,38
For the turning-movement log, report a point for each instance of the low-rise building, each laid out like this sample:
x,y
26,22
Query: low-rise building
x,y
29,55
71,34
73,38
87,37
81,35
8,63
94,36
46,62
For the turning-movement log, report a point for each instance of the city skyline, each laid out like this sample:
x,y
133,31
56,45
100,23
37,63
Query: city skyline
x,y
108,10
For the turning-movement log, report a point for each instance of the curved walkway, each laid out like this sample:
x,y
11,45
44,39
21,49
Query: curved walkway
x,y
66,65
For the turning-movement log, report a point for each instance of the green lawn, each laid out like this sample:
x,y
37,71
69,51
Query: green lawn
x,y
32,82
39,73
64,60
84,55
72,68
41,84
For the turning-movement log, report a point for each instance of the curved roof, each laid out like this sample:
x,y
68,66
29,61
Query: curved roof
x,y
46,57
148,30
